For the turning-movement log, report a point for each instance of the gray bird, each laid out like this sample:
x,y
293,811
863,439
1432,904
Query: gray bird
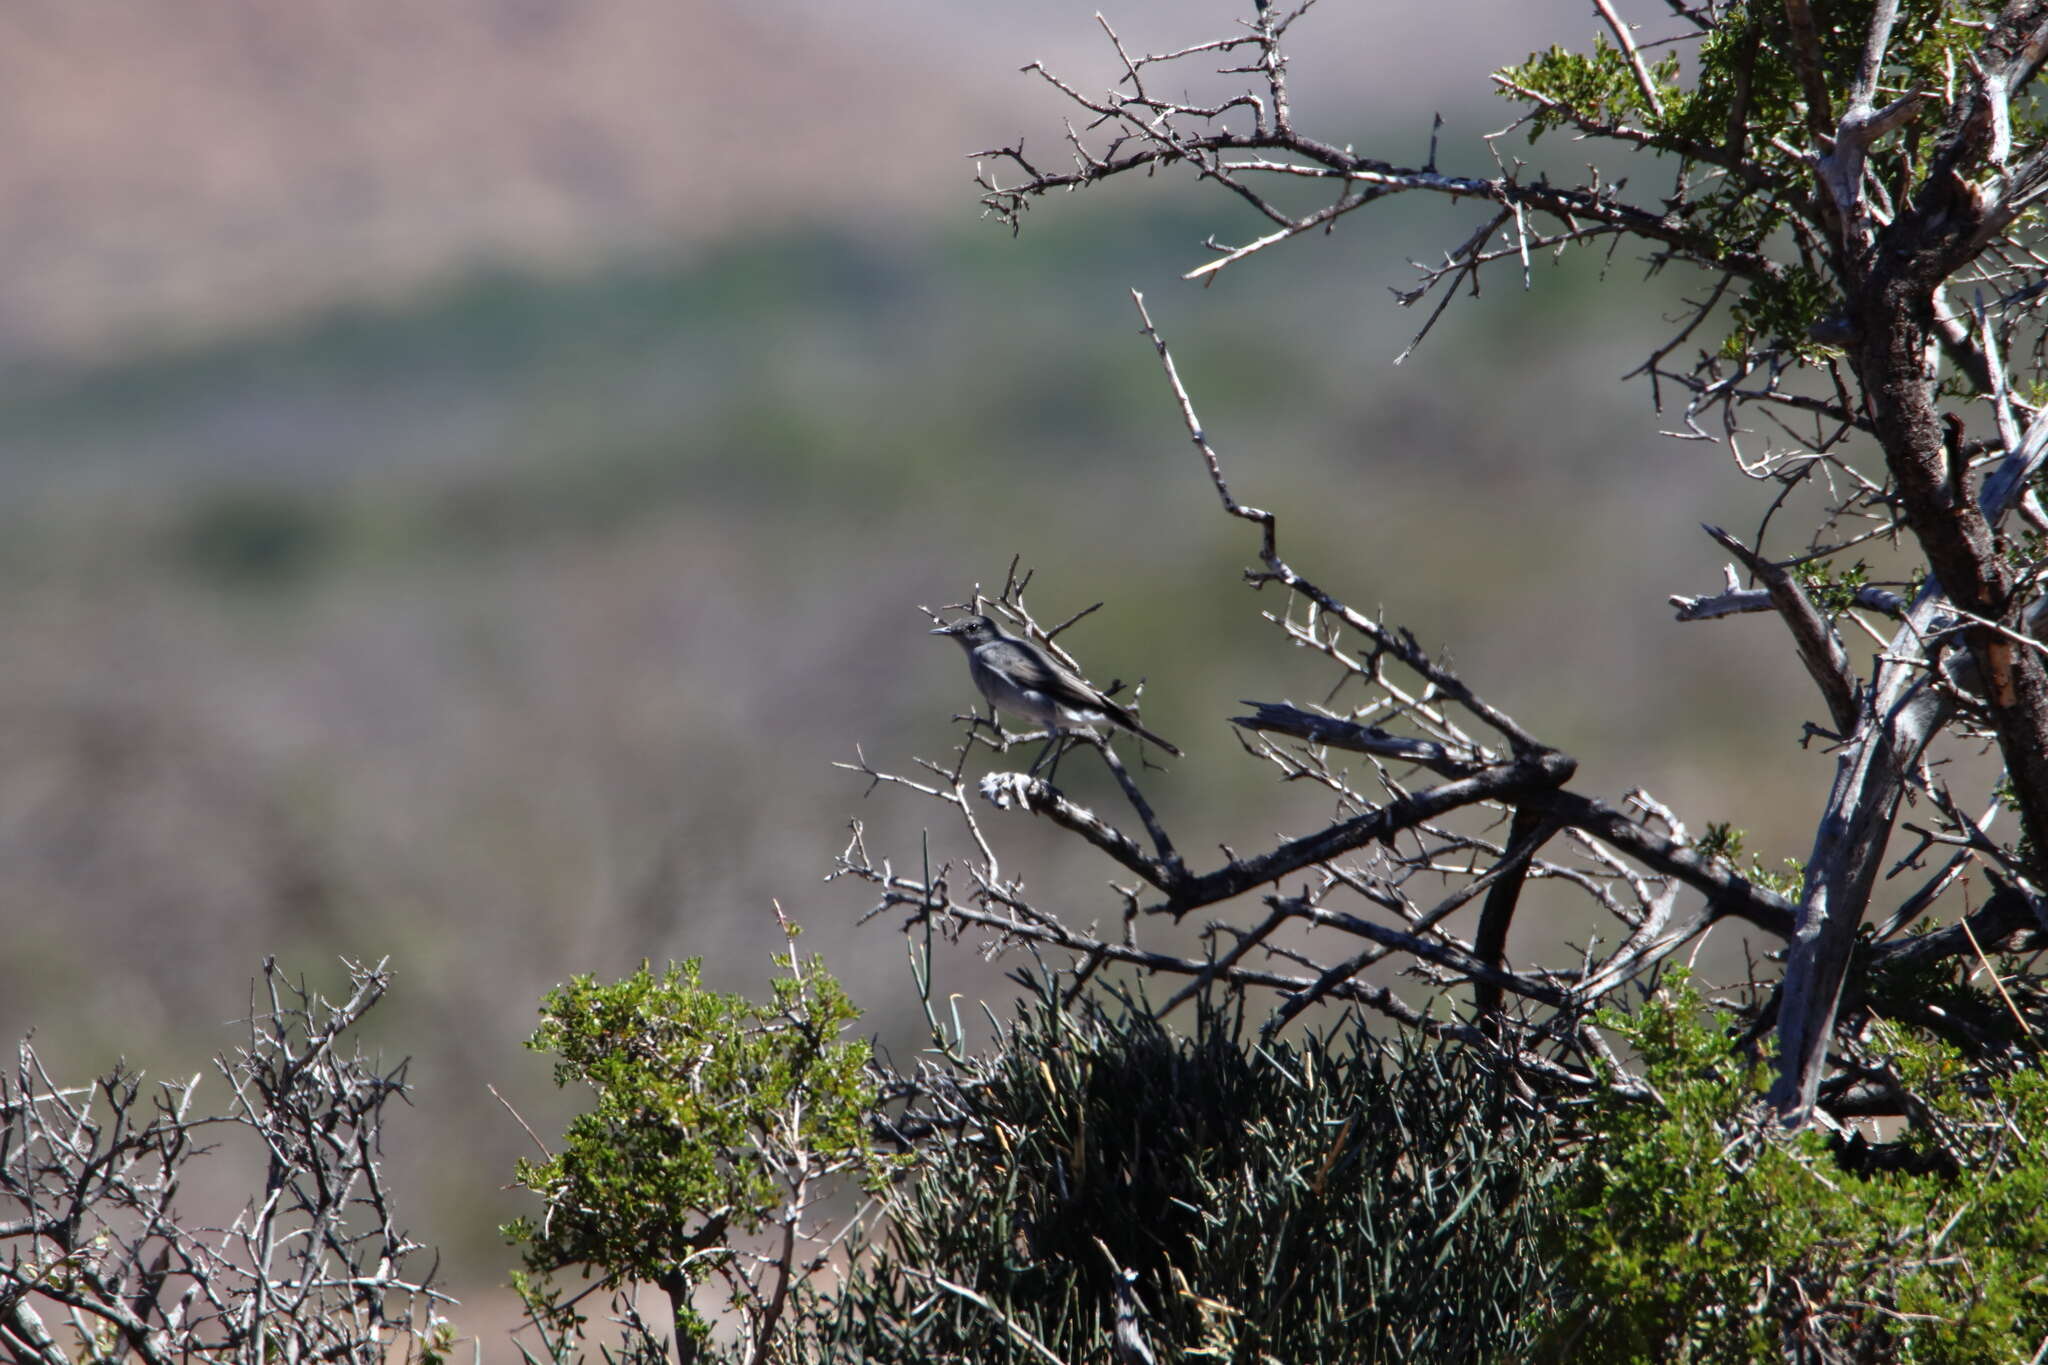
x,y
1019,677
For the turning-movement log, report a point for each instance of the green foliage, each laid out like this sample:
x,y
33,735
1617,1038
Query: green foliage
x,y
1695,1229
1600,87
1722,842
713,1116
1736,129
1786,880
1917,991
1832,591
1779,316
1339,1198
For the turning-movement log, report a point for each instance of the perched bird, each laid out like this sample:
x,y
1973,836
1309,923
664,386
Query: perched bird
x,y
1019,677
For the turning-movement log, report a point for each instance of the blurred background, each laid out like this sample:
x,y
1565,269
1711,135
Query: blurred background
x,y
469,470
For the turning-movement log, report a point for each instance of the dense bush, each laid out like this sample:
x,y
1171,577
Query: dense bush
x,y
1331,1197
1343,1196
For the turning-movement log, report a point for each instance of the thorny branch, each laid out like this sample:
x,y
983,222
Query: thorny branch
x,y
93,1225
1399,841
1871,267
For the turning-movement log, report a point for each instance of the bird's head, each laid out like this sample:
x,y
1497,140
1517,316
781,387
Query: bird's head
x,y
971,631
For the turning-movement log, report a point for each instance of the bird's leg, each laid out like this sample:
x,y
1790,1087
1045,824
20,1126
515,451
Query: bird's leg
x,y
994,724
1002,739
1052,750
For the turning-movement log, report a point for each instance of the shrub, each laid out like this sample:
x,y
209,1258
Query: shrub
x,y
1694,1227
714,1117
1334,1198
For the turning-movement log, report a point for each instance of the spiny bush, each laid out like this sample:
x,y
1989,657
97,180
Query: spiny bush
x,y
1332,1198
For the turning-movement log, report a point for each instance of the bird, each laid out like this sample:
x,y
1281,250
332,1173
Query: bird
x,y
1017,676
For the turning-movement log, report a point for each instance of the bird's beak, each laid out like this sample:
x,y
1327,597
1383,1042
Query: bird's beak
x,y
943,630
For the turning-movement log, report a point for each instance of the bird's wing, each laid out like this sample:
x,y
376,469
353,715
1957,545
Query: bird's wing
x,y
1065,687
1028,666
1071,688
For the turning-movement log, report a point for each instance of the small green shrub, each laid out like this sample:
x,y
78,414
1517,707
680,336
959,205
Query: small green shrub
x,y
1695,1229
714,1117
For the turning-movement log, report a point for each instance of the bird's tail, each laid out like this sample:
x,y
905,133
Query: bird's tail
x,y
1167,745
1130,722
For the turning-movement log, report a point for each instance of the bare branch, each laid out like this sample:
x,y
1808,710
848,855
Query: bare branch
x,y
1899,715
1820,648
1733,601
1286,719
1400,645
1834,239
1003,790
1506,781
313,1265
1529,831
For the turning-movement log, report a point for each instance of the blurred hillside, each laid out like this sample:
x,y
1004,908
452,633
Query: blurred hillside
x,y
467,477
200,167
181,172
